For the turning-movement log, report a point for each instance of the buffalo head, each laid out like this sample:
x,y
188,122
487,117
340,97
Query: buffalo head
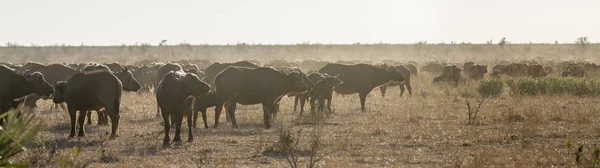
x,y
37,84
128,81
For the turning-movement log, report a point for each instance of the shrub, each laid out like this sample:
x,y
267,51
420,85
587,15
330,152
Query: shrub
x,y
556,86
490,87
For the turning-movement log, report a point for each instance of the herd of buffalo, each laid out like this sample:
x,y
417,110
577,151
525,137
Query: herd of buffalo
x,y
186,87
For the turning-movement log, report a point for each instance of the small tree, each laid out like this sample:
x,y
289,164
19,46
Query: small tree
x,y
582,42
472,111
502,42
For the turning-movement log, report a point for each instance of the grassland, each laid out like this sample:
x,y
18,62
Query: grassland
x,y
427,129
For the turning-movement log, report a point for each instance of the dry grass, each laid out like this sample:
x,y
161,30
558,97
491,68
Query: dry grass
x,y
420,131
428,129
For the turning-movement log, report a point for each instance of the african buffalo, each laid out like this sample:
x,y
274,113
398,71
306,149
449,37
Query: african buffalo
x,y
475,71
323,91
450,74
361,78
13,86
433,67
92,91
261,85
162,71
574,71
215,68
128,82
536,71
201,103
405,72
171,94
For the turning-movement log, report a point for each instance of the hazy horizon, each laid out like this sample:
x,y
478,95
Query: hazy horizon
x,y
113,22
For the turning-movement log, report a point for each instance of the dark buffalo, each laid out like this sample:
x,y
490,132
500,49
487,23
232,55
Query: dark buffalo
x,y
172,92
13,86
323,91
475,71
536,71
405,72
261,85
128,82
450,74
94,91
433,67
146,76
201,103
467,65
215,68
361,78
573,71
162,71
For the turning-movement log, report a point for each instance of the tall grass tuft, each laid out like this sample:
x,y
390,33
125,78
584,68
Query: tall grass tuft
x,y
14,134
556,86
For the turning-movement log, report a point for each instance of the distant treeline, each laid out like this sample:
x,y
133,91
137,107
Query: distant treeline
x,y
420,52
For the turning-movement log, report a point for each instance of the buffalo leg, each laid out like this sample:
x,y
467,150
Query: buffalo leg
x,y
218,110
382,88
313,106
402,90
81,120
231,112
114,119
177,119
363,97
30,101
195,115
296,100
157,111
189,122
408,87
227,117
329,105
89,117
203,117
102,117
72,115
167,125
267,110
302,102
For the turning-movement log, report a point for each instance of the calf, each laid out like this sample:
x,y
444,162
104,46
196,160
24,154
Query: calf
x,y
201,103
323,90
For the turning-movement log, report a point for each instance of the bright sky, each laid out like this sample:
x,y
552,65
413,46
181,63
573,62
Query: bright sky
x,y
115,22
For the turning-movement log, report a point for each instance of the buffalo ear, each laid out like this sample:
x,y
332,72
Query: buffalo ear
x,y
125,69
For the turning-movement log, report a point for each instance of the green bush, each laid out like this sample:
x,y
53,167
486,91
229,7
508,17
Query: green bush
x,y
490,87
555,86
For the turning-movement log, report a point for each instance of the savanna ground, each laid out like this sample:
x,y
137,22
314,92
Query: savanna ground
x,y
427,129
